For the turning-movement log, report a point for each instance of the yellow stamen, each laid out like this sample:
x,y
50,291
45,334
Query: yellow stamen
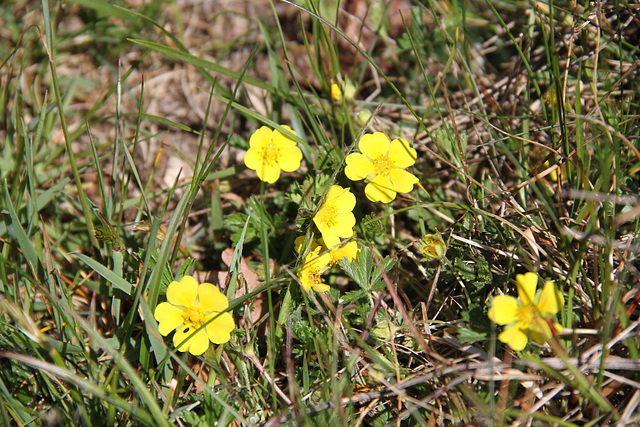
x,y
270,154
194,317
329,215
314,276
382,165
527,314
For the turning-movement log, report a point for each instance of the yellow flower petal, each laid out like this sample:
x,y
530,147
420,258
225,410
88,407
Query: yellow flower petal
x,y
268,173
514,338
503,310
197,344
540,331
219,329
551,300
328,235
402,154
380,190
349,251
290,159
320,287
336,93
374,145
358,166
527,284
282,139
557,326
260,137
169,318
183,293
345,223
211,299
300,241
343,198
402,180
252,158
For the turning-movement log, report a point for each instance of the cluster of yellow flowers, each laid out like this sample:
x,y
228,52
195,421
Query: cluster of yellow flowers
x,y
198,313
335,221
381,162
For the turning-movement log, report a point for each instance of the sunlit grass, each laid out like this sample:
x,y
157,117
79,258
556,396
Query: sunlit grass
x,y
122,170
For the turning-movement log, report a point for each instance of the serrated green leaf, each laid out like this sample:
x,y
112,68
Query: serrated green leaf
x,y
470,336
186,268
353,295
376,277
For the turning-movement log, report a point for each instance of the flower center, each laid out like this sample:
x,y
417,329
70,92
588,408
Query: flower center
x,y
382,165
527,314
270,154
314,277
330,215
194,317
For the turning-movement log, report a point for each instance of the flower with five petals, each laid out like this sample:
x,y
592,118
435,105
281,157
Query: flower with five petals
x,y
335,219
190,306
271,151
382,163
315,263
528,316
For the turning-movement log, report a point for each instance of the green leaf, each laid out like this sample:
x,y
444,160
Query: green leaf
x,y
362,270
186,268
157,343
116,281
353,296
470,336
16,231
376,277
203,63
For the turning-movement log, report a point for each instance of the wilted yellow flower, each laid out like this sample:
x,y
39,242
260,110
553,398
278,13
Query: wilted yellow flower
x,y
335,219
382,163
271,151
432,247
315,264
188,307
527,316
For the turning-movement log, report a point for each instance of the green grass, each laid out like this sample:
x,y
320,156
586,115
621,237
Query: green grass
x,y
526,122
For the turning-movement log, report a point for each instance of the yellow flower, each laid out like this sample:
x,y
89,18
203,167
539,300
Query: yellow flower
x,y
349,250
382,163
527,316
336,92
314,265
189,307
334,218
270,151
